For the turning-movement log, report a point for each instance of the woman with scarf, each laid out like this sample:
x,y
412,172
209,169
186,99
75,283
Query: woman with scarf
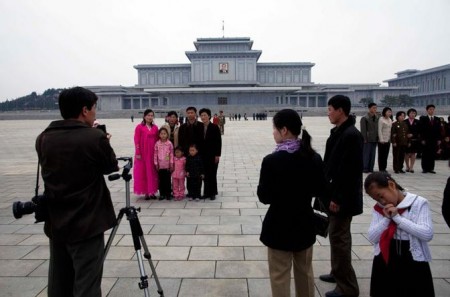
x,y
290,177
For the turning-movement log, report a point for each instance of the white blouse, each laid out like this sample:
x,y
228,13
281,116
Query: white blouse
x,y
414,225
384,129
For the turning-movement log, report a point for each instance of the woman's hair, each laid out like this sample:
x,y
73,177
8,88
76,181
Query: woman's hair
x,y
290,119
411,110
381,179
207,110
146,112
383,113
398,114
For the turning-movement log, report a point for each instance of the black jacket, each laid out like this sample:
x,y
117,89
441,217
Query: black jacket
x,y
343,168
446,203
288,182
74,157
189,134
194,166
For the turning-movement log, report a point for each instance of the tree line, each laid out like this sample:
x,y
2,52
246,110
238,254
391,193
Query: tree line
x,y
388,100
48,100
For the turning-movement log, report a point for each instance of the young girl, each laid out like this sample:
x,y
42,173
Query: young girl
x,y
400,229
178,174
164,163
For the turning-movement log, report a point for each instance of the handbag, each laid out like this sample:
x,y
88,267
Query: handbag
x,y
320,219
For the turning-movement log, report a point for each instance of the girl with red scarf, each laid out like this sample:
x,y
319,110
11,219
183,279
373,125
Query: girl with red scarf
x,y
400,229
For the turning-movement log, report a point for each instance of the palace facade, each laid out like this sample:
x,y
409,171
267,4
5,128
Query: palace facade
x,y
224,73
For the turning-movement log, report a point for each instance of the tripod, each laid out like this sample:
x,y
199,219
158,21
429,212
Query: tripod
x,y
136,230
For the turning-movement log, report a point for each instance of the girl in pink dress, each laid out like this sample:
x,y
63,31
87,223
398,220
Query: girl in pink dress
x,y
144,170
179,174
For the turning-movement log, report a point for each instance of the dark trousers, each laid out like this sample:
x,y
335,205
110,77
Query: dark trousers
x,y
398,153
383,153
210,181
369,151
194,186
165,186
428,155
76,269
341,255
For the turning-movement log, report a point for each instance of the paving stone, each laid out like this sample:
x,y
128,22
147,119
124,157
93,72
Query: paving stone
x,y
206,248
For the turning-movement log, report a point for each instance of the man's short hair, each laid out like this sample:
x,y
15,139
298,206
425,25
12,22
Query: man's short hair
x,y
341,101
71,101
430,105
171,113
371,104
191,108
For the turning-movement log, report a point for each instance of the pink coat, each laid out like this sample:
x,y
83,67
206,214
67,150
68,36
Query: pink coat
x,y
179,168
163,157
145,175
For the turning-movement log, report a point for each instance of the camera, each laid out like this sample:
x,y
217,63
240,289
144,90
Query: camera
x,y
102,127
37,205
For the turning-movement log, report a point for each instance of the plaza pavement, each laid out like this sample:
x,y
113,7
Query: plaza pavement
x,y
207,248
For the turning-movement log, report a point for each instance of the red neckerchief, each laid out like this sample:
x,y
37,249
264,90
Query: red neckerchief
x,y
387,234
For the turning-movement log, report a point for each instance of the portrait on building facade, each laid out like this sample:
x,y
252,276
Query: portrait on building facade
x,y
223,67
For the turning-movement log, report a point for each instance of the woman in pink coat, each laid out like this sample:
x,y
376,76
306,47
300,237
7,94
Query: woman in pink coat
x,y
144,170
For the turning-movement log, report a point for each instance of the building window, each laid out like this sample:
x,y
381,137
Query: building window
x,y
154,101
223,68
165,101
222,101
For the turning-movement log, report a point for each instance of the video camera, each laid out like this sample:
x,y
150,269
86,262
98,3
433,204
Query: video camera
x,y
37,205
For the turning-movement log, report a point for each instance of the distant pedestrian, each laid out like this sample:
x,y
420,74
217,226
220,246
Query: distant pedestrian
x,y
413,139
221,122
132,118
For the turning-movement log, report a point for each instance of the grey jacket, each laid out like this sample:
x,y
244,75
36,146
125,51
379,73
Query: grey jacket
x,y
369,127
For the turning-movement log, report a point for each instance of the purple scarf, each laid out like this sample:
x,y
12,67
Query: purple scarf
x,y
289,145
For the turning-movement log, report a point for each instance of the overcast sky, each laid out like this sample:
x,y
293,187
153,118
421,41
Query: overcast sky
x,y
57,43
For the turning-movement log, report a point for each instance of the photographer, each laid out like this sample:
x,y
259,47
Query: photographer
x,y
74,157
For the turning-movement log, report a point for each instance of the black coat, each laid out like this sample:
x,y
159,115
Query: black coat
x,y
74,157
189,134
344,168
446,203
288,182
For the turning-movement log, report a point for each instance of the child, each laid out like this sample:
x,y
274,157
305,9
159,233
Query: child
x,y
194,173
178,174
163,159
400,229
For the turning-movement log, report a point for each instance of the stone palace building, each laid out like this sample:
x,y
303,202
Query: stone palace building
x,y
224,74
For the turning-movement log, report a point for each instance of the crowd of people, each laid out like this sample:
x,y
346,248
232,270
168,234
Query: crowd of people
x,y
166,156
401,225
74,157
427,137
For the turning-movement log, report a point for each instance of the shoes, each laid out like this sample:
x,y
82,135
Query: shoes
x,y
397,172
411,171
197,199
424,171
401,171
432,171
162,198
147,197
407,169
329,278
190,198
213,197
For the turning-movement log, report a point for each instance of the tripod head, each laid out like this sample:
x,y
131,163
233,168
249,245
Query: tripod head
x,y
125,171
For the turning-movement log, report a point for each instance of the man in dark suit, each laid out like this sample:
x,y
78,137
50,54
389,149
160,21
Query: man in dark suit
x,y
430,136
344,172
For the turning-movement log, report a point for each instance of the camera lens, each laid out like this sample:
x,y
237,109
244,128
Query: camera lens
x,y
19,209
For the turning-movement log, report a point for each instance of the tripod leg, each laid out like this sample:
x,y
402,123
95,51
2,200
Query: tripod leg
x,y
138,237
113,233
148,256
